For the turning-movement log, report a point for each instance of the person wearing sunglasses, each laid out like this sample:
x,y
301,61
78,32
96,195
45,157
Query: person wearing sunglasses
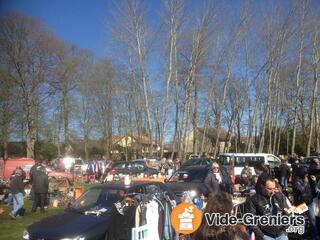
x,y
217,181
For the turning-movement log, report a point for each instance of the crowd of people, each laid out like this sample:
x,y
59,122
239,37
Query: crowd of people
x,y
272,197
276,190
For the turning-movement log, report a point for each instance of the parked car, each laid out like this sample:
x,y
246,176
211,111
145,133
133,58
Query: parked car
x,y
198,161
252,159
132,168
89,216
189,178
150,162
308,160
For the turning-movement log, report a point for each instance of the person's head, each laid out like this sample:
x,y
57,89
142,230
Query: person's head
x,y
222,204
215,167
219,203
254,179
301,172
19,171
246,165
269,186
315,164
260,168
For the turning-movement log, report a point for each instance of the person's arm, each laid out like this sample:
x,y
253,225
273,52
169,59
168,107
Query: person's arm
x,y
208,183
250,208
318,187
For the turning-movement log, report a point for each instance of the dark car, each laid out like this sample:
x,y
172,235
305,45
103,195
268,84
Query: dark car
x,y
198,161
189,178
89,216
132,168
308,160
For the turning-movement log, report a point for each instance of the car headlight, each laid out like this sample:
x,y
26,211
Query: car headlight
x,y
74,238
25,235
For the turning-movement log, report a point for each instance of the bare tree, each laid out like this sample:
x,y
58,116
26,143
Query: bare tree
x,y
131,29
27,49
315,69
175,10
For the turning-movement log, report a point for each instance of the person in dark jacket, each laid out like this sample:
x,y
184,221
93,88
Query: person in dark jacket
x,y
314,170
284,174
262,172
217,181
17,190
302,193
40,186
268,202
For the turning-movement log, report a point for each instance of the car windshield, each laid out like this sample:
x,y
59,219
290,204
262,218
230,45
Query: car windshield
x,y
98,198
193,162
189,176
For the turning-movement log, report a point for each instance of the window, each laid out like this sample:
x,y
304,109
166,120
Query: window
x,y
224,160
240,161
120,166
138,166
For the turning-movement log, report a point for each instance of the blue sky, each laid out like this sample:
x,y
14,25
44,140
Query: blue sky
x,y
82,22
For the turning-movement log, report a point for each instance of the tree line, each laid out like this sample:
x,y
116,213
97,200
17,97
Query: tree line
x,y
249,68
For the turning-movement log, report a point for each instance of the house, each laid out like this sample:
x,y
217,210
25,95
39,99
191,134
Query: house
x,y
139,144
199,136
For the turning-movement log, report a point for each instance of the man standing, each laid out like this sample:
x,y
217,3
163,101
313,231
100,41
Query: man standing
x,y
284,173
40,185
267,203
302,193
17,190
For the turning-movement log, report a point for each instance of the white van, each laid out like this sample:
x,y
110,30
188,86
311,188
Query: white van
x,y
252,159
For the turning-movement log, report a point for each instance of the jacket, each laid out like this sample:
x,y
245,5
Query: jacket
x,y
40,182
16,184
213,186
261,205
301,190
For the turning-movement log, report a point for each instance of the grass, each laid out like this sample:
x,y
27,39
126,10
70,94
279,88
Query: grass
x,y
13,229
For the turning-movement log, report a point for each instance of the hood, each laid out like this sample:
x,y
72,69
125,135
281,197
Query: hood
x,y
301,171
67,225
179,187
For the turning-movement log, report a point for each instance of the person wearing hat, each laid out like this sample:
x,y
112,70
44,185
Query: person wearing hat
x,y
17,190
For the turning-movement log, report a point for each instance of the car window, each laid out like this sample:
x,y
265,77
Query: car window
x,y
138,166
120,166
270,159
193,162
189,176
224,160
89,199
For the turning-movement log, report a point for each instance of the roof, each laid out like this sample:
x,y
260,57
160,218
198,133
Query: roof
x,y
213,132
122,186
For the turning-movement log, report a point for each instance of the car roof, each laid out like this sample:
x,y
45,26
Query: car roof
x,y
122,186
194,167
